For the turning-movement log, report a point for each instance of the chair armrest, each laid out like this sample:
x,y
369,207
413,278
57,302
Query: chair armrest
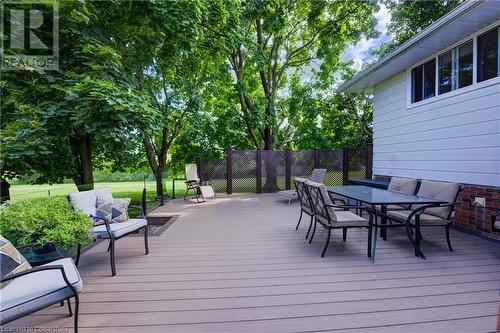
x,y
419,211
346,206
36,270
141,209
190,181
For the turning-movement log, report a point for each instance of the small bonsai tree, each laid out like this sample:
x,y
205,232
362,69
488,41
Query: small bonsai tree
x,y
44,221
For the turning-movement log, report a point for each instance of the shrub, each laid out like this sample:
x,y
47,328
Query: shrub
x,y
42,221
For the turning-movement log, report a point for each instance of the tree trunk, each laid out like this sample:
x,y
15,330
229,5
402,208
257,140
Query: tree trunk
x,y
82,146
4,190
270,159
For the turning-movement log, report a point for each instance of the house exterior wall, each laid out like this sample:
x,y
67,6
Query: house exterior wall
x,y
452,137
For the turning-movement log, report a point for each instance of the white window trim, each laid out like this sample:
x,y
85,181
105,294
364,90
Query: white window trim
x,y
473,37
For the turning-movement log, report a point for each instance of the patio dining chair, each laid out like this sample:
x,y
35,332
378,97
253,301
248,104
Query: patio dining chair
x,y
317,176
433,215
331,216
26,290
305,202
201,189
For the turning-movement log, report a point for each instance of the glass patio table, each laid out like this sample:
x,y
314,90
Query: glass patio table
x,y
379,197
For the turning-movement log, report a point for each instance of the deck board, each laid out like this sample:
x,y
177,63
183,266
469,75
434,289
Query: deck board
x,y
237,265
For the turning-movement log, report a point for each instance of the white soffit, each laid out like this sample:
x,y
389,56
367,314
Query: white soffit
x,y
464,20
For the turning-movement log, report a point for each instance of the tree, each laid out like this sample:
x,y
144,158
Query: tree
x,y
409,18
57,124
263,40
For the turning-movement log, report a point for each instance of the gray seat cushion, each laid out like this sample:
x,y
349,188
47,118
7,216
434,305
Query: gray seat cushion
x,y
32,292
85,201
425,219
119,229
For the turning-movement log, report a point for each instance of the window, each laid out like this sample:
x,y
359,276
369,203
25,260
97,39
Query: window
x,y
417,76
424,81
445,72
430,79
487,55
465,65
474,60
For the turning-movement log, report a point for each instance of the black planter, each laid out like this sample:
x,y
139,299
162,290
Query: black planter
x,y
47,248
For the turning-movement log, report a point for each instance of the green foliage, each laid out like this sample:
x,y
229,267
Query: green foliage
x,y
44,221
409,18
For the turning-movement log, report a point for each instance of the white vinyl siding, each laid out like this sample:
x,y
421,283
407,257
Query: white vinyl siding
x,y
453,137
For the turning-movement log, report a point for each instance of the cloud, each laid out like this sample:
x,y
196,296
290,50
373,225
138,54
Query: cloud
x,y
359,53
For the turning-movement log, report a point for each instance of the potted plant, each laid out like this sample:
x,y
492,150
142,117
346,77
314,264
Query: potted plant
x,y
47,224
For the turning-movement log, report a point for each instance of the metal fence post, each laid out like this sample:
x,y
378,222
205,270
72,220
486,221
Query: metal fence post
x,y
345,166
288,169
369,160
258,171
316,158
229,171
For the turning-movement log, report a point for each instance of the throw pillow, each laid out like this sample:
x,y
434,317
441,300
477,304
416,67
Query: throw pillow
x,y
119,210
11,261
104,208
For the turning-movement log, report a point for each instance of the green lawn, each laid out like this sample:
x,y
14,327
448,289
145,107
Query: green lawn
x,y
133,189
119,189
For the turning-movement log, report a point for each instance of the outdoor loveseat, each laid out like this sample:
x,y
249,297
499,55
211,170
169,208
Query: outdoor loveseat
x,y
110,220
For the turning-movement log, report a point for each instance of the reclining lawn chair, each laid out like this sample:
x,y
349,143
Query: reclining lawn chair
x,y
317,176
26,290
202,189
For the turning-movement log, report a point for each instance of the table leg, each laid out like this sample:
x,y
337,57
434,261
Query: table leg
x,y
383,220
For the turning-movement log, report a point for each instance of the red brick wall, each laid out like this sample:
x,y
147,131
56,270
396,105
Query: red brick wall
x,y
470,218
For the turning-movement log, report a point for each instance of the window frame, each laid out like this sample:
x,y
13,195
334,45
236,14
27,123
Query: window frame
x,y
454,49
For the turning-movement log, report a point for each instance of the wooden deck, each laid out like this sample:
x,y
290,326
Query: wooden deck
x,y
237,265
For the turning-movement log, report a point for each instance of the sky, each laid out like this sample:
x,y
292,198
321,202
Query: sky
x,y
359,53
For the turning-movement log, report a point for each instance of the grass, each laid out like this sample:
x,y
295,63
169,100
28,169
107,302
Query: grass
x,y
133,189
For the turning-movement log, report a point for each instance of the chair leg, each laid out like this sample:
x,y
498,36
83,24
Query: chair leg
x,y
310,225
300,219
344,234
112,257
448,237
420,235
78,253
77,307
314,231
327,242
374,243
109,246
146,244
369,250
69,307
61,303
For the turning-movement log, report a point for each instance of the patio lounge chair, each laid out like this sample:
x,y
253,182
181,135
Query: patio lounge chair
x,y
331,216
202,189
87,202
317,176
34,289
435,215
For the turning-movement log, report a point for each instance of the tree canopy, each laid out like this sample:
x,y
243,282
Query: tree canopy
x,y
154,84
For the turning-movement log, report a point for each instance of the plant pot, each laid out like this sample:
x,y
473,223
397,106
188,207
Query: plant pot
x,y
47,248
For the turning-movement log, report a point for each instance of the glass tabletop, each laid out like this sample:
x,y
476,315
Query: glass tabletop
x,y
376,196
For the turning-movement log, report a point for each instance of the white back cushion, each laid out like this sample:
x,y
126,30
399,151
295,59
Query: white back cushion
x,y
85,201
